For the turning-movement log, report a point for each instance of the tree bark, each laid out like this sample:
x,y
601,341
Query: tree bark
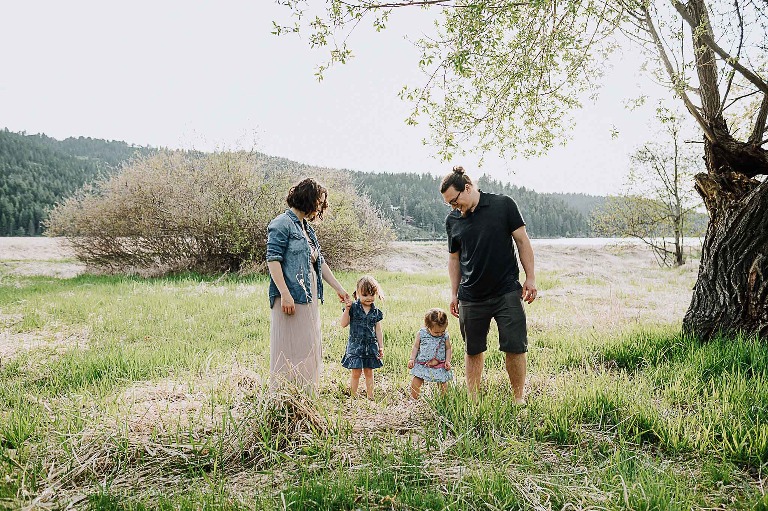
x,y
731,292
732,287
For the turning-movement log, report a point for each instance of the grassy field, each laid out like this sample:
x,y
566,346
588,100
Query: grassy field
x,y
130,393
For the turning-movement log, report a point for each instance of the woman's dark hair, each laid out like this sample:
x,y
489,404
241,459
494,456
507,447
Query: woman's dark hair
x,y
435,317
308,196
457,179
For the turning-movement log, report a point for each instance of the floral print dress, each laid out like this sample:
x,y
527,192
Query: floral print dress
x,y
430,362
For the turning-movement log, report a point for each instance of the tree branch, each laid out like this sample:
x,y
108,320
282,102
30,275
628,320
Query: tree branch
x,y
740,97
738,55
759,128
712,45
424,3
674,77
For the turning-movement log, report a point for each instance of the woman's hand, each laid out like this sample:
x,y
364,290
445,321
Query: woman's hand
x,y
288,305
344,297
447,366
381,353
411,362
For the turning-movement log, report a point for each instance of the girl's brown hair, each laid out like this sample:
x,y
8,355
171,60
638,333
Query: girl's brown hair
x,y
435,317
369,286
457,179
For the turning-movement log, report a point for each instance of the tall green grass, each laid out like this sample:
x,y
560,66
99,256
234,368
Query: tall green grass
x,y
621,415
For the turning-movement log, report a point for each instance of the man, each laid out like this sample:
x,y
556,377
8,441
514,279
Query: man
x,y
485,277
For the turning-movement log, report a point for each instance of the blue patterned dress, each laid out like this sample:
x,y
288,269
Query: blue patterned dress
x,y
431,347
362,348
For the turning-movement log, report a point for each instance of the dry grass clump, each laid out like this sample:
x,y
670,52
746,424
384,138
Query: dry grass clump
x,y
274,425
169,433
208,213
260,430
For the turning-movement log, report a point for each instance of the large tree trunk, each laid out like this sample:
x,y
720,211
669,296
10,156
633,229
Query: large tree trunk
x,y
731,291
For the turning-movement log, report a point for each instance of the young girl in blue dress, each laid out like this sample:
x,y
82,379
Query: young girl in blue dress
x,y
431,353
365,347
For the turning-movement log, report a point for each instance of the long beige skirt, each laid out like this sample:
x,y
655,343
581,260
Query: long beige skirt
x,y
295,350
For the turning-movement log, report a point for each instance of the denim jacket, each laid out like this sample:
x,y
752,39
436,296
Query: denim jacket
x,y
286,243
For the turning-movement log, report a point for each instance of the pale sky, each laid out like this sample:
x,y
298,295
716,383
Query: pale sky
x,y
210,75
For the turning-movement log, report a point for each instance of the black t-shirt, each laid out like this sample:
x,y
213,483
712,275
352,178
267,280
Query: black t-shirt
x,y
486,249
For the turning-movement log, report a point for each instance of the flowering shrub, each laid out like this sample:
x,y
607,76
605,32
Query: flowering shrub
x,y
176,211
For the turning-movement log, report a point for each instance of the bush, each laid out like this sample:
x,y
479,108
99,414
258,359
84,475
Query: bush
x,y
208,213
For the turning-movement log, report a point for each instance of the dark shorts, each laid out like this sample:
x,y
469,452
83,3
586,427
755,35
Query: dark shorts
x,y
507,310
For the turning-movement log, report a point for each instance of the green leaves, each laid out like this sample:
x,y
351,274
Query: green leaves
x,y
501,76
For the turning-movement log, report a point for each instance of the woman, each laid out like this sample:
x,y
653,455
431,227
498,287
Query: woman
x,y
296,266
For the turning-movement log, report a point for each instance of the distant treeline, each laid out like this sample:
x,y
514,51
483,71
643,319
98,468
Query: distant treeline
x,y
37,171
414,205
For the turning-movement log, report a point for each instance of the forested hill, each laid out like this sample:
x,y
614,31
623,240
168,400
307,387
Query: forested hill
x,y
416,208
36,171
414,205
584,204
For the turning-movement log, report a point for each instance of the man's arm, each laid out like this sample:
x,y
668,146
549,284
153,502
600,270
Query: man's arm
x,y
454,272
525,250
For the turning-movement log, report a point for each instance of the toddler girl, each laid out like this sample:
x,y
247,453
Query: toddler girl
x,y
365,347
431,353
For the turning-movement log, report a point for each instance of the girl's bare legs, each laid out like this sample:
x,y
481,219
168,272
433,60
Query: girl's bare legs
x,y
444,387
416,384
354,381
368,381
